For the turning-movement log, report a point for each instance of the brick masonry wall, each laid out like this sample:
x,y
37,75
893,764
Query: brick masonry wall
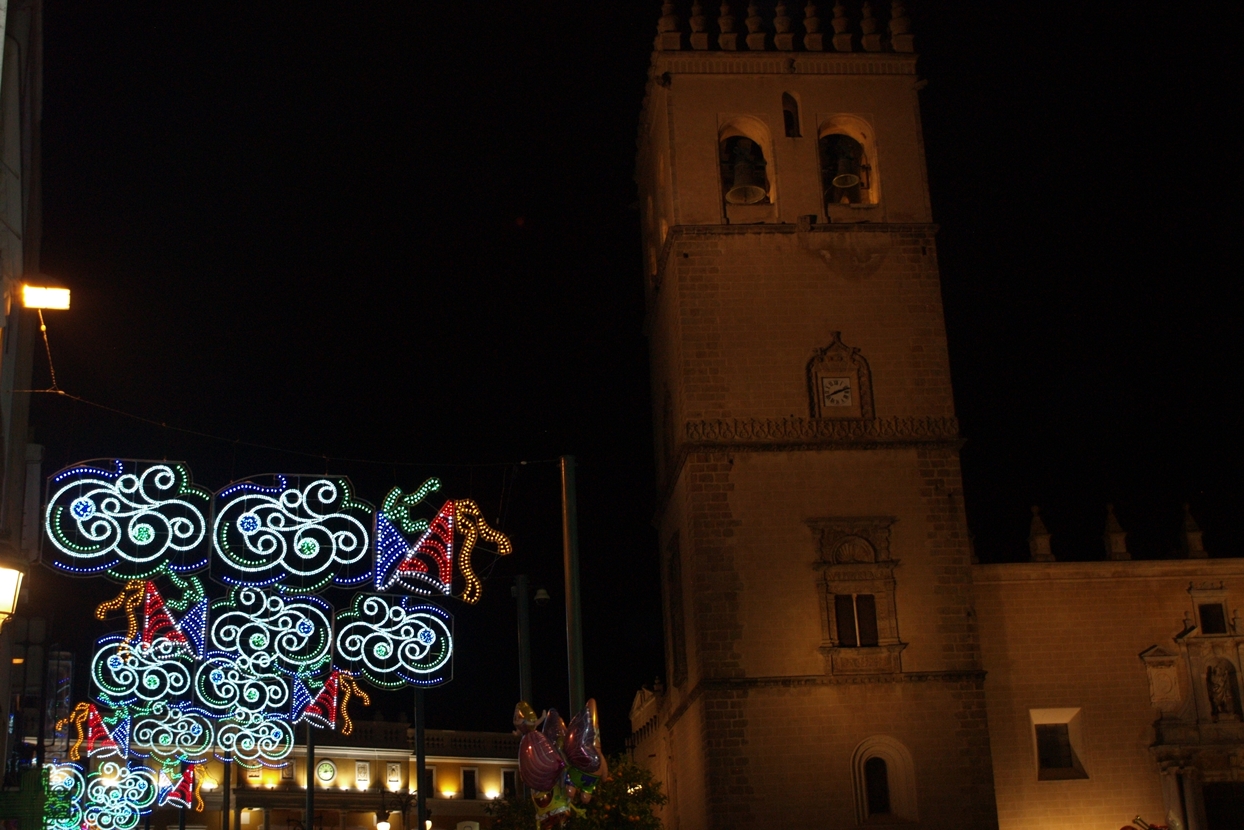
x,y
750,304
1069,635
779,754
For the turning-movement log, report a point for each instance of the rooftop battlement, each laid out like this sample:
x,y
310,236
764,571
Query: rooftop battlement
x,y
862,28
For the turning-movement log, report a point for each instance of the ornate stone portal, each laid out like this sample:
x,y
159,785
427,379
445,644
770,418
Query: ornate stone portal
x,y
1199,735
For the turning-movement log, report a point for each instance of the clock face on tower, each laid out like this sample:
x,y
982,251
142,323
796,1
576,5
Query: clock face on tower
x,y
326,770
836,392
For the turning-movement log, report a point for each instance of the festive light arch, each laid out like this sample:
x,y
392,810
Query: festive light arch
x,y
198,674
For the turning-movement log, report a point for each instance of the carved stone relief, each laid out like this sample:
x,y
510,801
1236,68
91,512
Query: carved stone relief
x,y
852,539
1163,670
850,256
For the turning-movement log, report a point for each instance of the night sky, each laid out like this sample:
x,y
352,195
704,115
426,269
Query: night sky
x,y
396,240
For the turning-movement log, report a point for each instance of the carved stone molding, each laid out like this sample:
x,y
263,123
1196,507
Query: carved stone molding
x,y
1163,669
824,430
853,540
883,659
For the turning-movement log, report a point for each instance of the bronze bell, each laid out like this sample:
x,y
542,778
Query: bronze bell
x,y
748,185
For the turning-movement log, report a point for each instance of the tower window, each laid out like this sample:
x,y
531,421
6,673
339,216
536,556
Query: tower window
x,y
846,175
856,615
509,782
743,177
877,787
469,779
1054,747
1213,618
1058,738
790,115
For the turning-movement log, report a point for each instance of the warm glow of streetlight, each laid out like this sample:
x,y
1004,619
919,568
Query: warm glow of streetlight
x,y
43,296
10,589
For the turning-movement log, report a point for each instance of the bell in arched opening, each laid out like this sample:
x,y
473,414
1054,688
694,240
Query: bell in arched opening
x,y
743,176
845,173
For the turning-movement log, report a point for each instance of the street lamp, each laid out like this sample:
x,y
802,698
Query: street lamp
x,y
45,296
11,575
382,819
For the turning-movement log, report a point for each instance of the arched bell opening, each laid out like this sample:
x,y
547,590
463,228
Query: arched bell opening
x,y
744,176
846,171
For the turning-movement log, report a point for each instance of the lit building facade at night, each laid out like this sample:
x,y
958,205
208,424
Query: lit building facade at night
x,y
834,655
361,775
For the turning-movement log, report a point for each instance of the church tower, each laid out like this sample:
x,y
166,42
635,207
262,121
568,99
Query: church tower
x,y
823,663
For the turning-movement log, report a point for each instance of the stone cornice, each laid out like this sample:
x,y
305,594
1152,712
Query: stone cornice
x,y
782,63
818,433
804,435
730,684
1184,569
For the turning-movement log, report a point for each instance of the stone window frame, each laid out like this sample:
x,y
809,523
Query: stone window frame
x,y
1211,593
900,776
854,558
1073,718
462,788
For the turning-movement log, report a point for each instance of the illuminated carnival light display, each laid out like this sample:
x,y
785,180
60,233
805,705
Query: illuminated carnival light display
x,y
227,673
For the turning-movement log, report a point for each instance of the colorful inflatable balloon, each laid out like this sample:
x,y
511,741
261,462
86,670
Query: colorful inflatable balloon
x,y
539,762
562,766
583,740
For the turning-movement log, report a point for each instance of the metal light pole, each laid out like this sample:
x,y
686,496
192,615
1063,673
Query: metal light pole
x,y
421,763
570,553
524,639
226,815
310,819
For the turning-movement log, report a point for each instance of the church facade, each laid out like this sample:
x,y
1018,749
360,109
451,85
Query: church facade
x,y
834,655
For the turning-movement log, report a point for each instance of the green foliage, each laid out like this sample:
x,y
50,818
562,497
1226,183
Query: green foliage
x,y
513,813
627,798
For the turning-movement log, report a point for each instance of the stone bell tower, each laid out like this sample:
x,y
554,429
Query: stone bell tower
x,y
823,666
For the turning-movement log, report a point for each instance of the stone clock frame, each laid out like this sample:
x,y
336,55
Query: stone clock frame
x,y
838,360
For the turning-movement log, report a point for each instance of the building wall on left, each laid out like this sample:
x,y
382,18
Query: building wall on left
x,y
21,83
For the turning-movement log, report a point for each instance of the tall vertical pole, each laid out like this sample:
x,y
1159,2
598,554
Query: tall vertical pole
x,y
570,553
181,813
421,763
524,639
310,819
226,816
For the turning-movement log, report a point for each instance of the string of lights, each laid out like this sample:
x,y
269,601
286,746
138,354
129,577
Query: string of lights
x,y
322,456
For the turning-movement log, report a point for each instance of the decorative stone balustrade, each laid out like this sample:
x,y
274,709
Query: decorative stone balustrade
x,y
771,26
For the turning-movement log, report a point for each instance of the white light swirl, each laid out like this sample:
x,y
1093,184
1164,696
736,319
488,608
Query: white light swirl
x,y
142,672
174,733
393,644
240,685
255,740
295,633
129,524
116,796
314,534
66,788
